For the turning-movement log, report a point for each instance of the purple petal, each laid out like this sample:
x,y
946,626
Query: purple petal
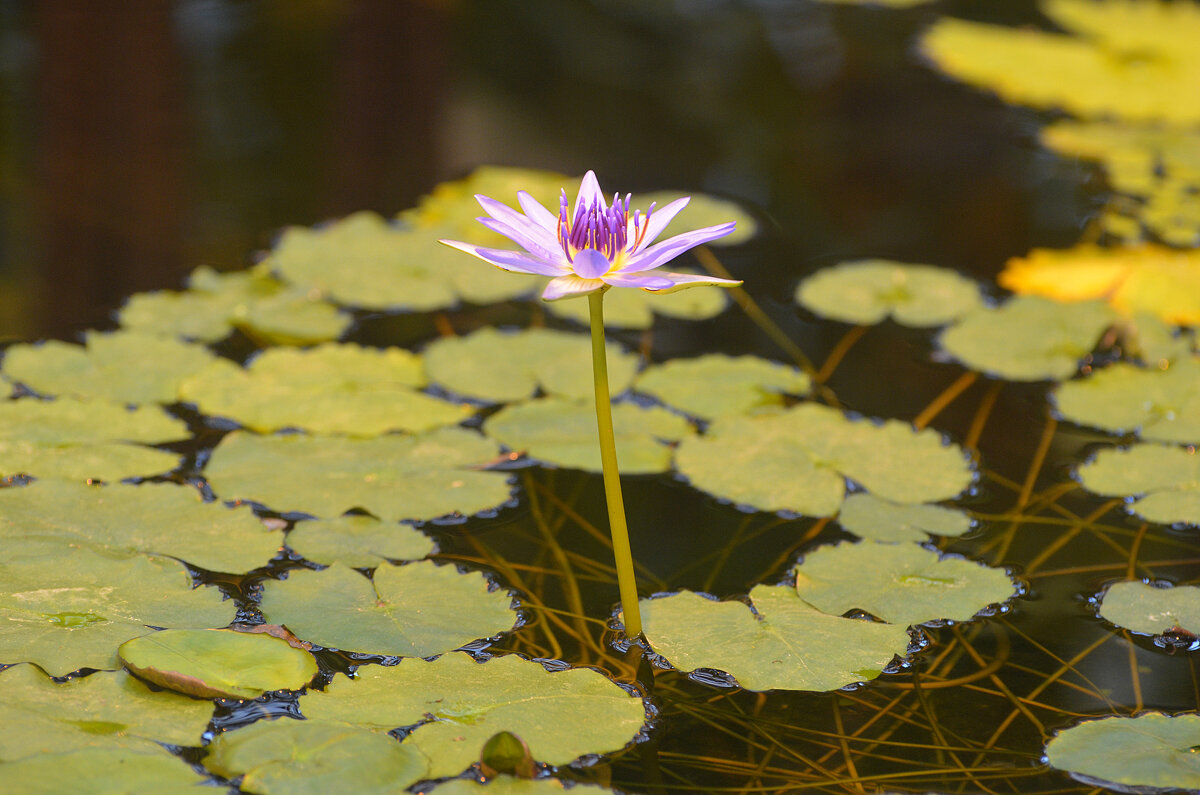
x,y
517,222
660,218
681,281
570,286
589,193
591,264
646,281
537,213
534,245
516,261
671,248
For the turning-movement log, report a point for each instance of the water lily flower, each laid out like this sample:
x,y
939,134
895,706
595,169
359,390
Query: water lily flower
x,y
592,245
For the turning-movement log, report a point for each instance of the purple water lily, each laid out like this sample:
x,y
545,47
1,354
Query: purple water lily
x,y
594,246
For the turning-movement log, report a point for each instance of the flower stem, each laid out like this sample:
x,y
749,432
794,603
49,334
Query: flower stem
x,y
626,579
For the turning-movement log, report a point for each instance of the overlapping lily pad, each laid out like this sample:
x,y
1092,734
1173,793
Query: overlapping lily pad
x,y
1152,610
393,477
563,433
871,518
416,610
796,460
359,541
714,384
159,518
469,702
332,388
123,366
637,308
103,771
499,367
1164,480
899,583
783,644
1029,338
303,757
869,291
1148,750
1160,405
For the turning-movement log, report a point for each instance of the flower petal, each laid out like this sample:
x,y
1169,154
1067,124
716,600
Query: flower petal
x,y
530,243
537,213
570,286
516,261
682,281
659,220
661,253
646,281
589,193
591,264
518,223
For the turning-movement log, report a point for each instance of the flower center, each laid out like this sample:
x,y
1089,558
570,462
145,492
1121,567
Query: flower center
x,y
608,230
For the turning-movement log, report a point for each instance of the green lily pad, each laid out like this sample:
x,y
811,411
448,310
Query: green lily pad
x,y
508,785
869,517
784,644
1167,478
500,367
362,542
216,303
563,433
103,771
899,583
332,388
1029,338
67,608
715,384
795,460
869,291
1152,610
417,610
159,518
1150,750
218,663
393,477
1161,405
104,709
301,757
702,210
636,308
1154,342
460,704
123,366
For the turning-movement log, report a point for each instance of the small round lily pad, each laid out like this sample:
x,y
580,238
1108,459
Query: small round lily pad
x,y
869,291
1159,404
361,542
1149,750
715,384
869,517
1152,610
637,308
1164,480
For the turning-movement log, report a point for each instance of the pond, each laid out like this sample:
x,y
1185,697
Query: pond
x,y
912,507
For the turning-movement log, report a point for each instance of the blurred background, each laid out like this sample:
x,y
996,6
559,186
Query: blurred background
x,y
139,140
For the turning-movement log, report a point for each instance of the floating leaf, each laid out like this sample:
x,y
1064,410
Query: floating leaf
x,y
417,610
869,291
451,206
714,384
637,308
701,211
869,517
67,608
1152,610
784,644
499,367
1029,338
332,388
563,433
124,366
1168,478
795,460
507,785
899,583
469,702
218,663
1160,404
362,542
104,771
301,757
159,518
1149,750
394,477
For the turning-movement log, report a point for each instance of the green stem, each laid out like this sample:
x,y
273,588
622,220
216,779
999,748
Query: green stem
x,y
626,579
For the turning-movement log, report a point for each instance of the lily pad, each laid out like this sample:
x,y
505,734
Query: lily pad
x,y
899,583
796,460
782,644
393,477
1167,478
159,518
361,542
563,433
1152,610
715,384
702,210
1149,750
218,663
103,709
508,785
637,308
123,366
500,367
301,757
103,771
1028,338
869,291
1160,405
460,704
332,388
417,610
67,608
871,518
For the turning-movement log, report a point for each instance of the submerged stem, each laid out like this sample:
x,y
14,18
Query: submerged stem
x,y
626,579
